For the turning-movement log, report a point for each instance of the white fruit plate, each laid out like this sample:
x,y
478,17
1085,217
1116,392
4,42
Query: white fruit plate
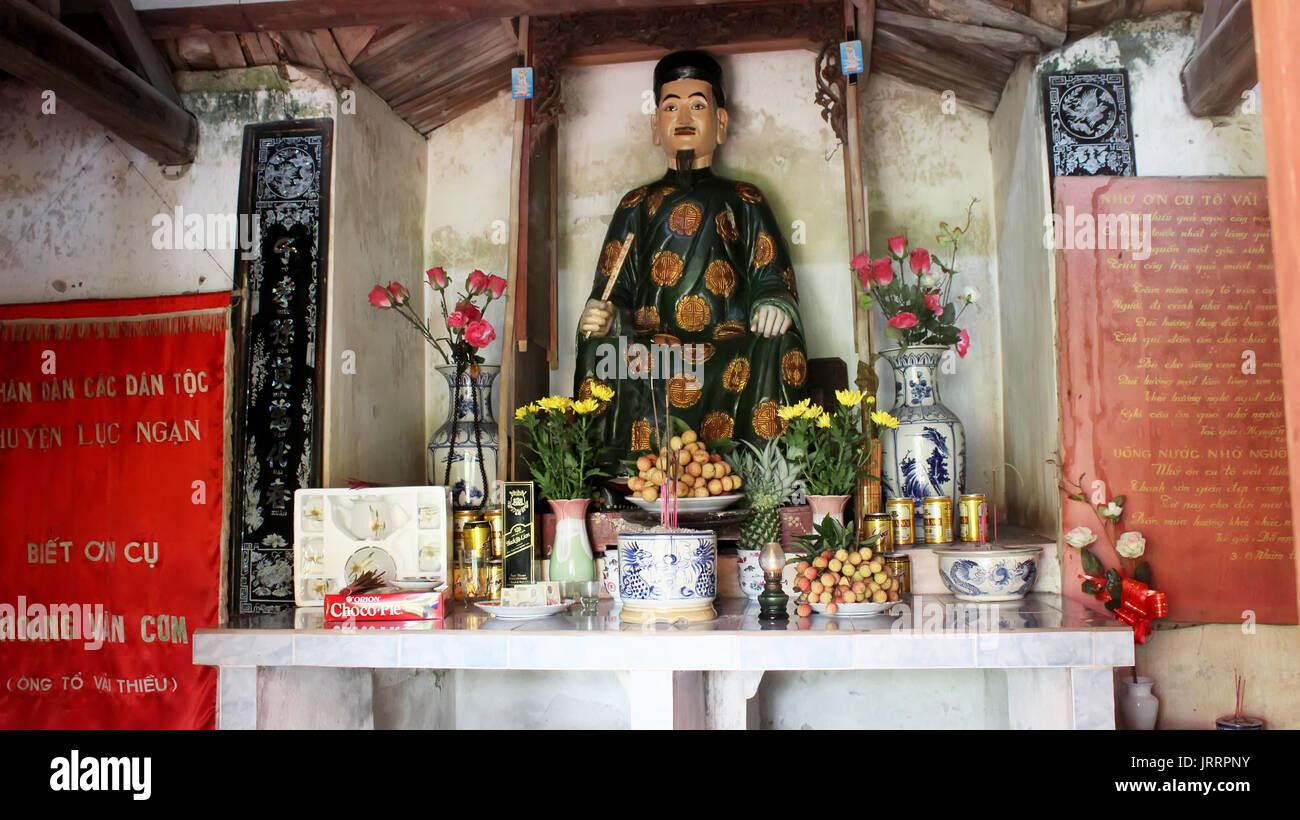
x,y
690,505
521,612
853,610
416,584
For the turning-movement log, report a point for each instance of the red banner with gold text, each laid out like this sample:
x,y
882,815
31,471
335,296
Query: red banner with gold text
x,y
111,453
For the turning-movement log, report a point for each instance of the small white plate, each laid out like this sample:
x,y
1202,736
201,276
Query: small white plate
x,y
690,505
416,584
521,612
852,610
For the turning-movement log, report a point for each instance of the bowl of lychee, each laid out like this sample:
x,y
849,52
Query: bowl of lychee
x,y
703,481
844,584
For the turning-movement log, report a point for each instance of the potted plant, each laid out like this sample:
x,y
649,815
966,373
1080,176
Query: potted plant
x,y
568,452
768,479
462,452
926,454
830,448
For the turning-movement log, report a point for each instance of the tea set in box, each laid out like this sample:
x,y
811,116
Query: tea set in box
x,y
405,532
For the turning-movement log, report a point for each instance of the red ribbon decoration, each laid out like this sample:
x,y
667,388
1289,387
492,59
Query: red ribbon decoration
x,y
1138,604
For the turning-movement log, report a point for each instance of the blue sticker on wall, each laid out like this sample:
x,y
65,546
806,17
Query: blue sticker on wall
x,y
851,57
521,83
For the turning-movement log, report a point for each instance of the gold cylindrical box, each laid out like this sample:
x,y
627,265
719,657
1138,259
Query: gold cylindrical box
x,y
873,523
496,573
476,540
495,519
937,513
899,566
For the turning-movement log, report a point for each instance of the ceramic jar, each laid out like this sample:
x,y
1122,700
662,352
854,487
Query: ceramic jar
x,y
668,575
571,558
454,441
985,572
1138,705
926,454
609,572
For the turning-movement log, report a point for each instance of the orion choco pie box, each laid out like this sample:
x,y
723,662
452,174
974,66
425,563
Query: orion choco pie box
x,y
387,606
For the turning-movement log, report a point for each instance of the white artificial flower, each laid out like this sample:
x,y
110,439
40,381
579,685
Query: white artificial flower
x,y
1080,537
930,279
971,294
1131,545
1112,510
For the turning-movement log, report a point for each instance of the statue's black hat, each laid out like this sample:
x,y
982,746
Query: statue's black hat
x,y
690,65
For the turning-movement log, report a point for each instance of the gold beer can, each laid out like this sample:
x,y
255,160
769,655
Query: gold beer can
x,y
873,523
974,511
937,512
903,515
458,521
476,540
495,518
496,574
899,567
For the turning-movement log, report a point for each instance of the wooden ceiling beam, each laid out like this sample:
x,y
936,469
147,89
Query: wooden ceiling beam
x,y
131,39
985,13
1222,67
233,18
1011,42
39,49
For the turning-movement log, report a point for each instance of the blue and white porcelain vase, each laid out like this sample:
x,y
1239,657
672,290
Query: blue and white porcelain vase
x,y
926,454
668,576
454,440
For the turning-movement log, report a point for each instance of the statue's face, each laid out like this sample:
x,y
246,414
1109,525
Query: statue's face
x,y
688,119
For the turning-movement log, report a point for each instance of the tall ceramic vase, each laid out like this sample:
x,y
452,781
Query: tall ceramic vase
x,y
454,440
571,558
1138,705
926,454
824,506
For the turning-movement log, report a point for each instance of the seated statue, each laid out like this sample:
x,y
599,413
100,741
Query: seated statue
x,y
708,277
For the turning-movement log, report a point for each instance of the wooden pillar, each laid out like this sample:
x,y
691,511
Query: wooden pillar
x,y
1277,28
859,23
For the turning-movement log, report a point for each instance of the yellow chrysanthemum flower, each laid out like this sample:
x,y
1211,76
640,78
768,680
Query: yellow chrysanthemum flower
x,y
521,413
849,398
883,419
789,412
824,420
586,406
813,412
602,391
870,399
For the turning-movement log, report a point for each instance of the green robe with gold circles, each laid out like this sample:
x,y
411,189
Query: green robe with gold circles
x,y
707,254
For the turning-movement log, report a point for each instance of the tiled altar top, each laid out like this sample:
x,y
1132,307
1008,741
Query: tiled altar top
x,y
1042,631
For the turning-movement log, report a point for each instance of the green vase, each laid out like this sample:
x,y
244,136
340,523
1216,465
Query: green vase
x,y
571,558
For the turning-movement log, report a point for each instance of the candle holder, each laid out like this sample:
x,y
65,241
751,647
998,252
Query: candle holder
x,y
772,601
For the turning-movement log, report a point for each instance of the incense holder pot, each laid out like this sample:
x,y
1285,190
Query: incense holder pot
x,y
668,576
988,573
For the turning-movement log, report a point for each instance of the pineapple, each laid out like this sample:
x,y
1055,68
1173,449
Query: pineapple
x,y
768,481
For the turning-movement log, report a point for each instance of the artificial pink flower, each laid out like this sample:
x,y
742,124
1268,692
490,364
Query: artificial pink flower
x,y
399,293
497,285
963,343
932,302
467,308
437,277
897,244
380,298
882,271
457,319
480,333
861,265
477,281
920,259
903,321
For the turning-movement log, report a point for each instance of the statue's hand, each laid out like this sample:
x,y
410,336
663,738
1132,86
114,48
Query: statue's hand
x,y
770,320
597,318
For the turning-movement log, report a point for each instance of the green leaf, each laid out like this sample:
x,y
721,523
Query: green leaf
x,y
1142,573
1091,563
1091,587
1078,497
1119,499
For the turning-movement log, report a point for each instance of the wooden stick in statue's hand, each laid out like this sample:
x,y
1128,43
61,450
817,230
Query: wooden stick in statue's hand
x,y
613,276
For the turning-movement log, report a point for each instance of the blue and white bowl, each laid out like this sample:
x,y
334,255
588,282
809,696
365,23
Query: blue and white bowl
x,y
668,575
987,572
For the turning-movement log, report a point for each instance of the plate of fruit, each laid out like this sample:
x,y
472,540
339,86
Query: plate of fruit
x,y
840,577
705,483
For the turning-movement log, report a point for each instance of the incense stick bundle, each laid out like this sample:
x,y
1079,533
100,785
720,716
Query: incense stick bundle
x,y
613,276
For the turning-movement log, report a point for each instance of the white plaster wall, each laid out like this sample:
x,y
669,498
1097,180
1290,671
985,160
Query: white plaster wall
x,y
1193,667
922,167
1168,140
77,202
466,221
778,141
374,416
1027,289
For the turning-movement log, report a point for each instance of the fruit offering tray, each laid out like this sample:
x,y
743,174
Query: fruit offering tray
x,y
404,532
